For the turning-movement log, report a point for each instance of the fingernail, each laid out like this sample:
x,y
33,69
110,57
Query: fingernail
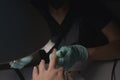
x,y
54,50
42,61
34,68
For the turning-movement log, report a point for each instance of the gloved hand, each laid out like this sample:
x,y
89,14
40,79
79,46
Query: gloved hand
x,y
68,55
19,64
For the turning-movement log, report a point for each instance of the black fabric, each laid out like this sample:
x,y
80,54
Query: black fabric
x,y
4,66
20,75
22,30
55,28
94,17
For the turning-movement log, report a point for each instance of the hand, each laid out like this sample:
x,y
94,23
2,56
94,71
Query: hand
x,y
19,64
51,73
68,55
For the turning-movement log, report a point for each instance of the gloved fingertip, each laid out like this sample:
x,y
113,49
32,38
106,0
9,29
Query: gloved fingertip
x,y
60,61
27,59
50,56
19,64
59,53
62,52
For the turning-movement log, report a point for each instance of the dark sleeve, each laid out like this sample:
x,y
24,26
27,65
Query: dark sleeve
x,y
41,5
98,16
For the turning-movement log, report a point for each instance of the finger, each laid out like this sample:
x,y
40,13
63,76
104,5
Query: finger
x,y
52,60
60,61
69,77
60,71
42,66
35,73
62,52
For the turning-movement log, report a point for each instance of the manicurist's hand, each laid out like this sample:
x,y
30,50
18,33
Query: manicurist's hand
x,y
52,73
67,56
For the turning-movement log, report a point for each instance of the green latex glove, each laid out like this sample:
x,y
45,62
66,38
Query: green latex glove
x,y
19,64
68,55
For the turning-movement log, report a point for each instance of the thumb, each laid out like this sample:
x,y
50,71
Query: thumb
x,y
62,51
60,71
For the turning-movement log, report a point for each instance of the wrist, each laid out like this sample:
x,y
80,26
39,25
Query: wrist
x,y
91,51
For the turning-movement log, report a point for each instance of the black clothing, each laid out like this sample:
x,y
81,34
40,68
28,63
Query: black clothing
x,y
88,18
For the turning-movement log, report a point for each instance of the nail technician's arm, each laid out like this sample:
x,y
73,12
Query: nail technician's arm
x,y
51,73
68,55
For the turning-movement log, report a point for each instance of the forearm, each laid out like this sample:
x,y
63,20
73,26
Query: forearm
x,y
107,52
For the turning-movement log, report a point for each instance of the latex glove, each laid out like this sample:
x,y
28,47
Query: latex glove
x,y
19,64
68,55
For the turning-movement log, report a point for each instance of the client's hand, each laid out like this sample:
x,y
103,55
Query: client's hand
x,y
51,73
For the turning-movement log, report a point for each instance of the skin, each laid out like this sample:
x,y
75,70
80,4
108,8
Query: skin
x,y
52,73
111,50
